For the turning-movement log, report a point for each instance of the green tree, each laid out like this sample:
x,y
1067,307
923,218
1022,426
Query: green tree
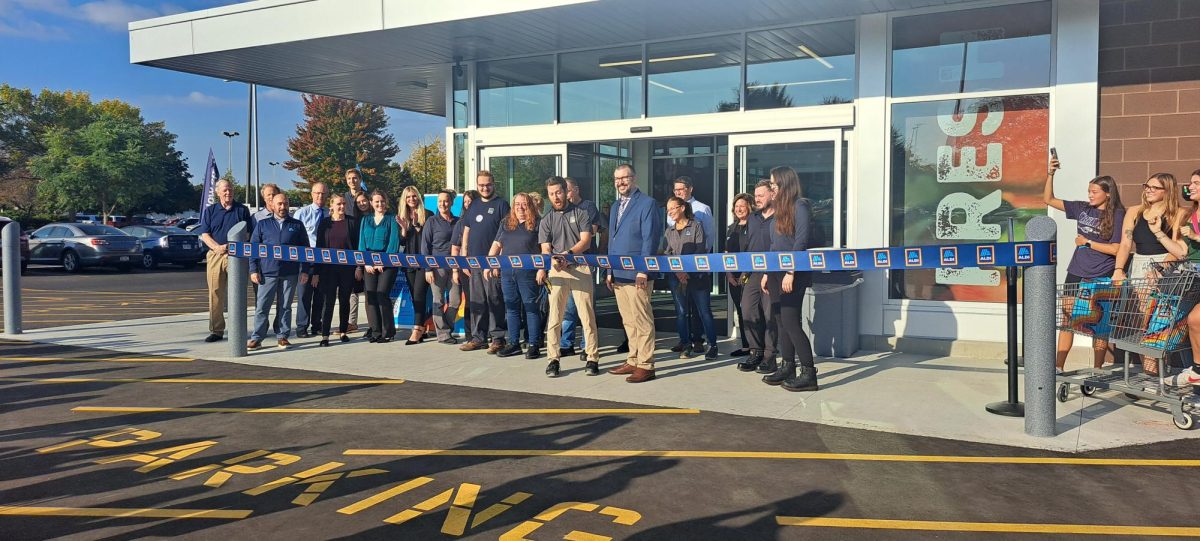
x,y
338,135
106,163
426,165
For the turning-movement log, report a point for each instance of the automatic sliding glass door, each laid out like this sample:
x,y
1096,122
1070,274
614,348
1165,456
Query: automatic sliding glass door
x,y
523,168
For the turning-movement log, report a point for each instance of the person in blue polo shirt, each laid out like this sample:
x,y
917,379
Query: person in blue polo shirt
x,y
276,279
215,222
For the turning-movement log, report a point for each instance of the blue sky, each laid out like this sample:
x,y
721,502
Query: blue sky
x,y
84,45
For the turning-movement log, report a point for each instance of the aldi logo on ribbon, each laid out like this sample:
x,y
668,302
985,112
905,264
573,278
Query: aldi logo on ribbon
x,y
231,250
675,263
473,262
431,262
729,262
394,259
651,264
493,262
602,262
912,257
277,252
359,258
341,257
515,262
246,250
949,256
985,255
758,261
310,254
580,260
787,262
262,250
1054,252
702,263
377,259
293,253
883,259
1023,253
326,256
627,263
412,261
452,262
816,260
849,260
539,261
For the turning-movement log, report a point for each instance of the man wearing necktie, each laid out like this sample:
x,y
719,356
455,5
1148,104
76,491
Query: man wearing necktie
x,y
636,226
309,308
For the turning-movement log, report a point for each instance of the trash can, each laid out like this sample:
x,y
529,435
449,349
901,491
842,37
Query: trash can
x,y
831,313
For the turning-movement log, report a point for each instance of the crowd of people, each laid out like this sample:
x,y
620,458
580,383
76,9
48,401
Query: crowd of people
x,y
513,311
1115,243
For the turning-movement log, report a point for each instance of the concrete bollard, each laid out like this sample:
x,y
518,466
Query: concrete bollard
x,y
239,277
12,277
1038,329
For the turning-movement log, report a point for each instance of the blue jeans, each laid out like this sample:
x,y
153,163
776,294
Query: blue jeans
x,y
279,290
521,293
692,299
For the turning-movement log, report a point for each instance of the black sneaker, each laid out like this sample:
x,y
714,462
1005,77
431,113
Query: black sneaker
x,y
592,368
679,348
583,357
533,353
214,338
302,333
566,352
740,352
449,340
509,350
552,369
624,347
712,353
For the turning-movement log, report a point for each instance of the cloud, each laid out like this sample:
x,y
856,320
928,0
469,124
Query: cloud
x,y
44,19
278,94
195,99
114,14
29,29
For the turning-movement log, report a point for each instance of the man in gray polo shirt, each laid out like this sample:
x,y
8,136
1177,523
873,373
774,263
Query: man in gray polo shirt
x,y
566,231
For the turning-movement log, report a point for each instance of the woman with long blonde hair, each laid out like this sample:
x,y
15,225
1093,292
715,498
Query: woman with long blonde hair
x,y
411,219
1150,227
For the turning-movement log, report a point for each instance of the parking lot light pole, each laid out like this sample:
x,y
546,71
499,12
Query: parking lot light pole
x,y
12,277
229,135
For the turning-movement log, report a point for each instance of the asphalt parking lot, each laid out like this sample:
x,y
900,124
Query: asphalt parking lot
x,y
98,444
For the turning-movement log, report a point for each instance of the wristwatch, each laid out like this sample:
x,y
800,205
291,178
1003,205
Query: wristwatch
x,y
1087,244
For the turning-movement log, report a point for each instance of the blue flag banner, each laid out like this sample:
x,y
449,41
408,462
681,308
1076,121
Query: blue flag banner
x,y
208,195
998,254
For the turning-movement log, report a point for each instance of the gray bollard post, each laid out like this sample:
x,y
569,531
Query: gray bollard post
x,y
1038,329
12,277
239,277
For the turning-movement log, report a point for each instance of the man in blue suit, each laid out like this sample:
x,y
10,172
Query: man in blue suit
x,y
276,279
635,229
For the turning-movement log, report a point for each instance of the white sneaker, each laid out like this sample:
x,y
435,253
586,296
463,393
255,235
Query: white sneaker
x,y
1187,377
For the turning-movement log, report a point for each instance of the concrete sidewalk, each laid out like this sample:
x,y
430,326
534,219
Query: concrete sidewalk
x,y
940,397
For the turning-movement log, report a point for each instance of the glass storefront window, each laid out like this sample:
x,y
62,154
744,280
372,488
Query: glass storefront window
x,y
460,162
960,169
515,174
458,75
600,85
694,76
516,92
972,50
807,65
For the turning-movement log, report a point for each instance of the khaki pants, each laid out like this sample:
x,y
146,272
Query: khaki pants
x,y
574,282
218,285
638,318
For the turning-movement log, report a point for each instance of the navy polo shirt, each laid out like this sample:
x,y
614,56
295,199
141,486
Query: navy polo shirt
x,y
217,221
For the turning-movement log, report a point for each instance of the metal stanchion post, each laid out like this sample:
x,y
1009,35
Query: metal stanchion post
x,y
1038,331
1013,406
12,277
239,276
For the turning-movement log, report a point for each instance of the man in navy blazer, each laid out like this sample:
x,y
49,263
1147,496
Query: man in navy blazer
x,y
276,279
635,230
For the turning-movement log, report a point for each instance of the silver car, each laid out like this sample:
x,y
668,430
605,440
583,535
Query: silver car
x,y
75,246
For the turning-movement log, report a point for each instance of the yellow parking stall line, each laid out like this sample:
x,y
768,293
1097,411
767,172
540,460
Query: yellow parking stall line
x,y
123,293
390,411
772,455
989,527
231,381
227,514
99,359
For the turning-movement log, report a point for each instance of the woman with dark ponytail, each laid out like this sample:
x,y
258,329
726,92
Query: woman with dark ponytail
x,y
1097,241
792,231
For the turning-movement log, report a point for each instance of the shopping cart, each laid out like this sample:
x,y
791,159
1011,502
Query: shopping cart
x,y
1146,316
1085,308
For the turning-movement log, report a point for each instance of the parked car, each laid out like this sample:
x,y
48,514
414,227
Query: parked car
x,y
75,246
187,224
163,244
142,220
4,221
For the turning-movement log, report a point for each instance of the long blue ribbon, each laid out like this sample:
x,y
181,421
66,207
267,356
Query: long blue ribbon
x,y
954,256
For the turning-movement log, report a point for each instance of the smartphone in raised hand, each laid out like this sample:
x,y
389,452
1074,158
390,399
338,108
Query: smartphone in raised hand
x,y
1053,153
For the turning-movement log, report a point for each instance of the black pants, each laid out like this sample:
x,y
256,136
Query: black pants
x,y
337,284
735,294
378,288
788,309
419,289
487,308
758,323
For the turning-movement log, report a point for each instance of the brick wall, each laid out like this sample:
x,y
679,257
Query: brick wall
x,y
1149,90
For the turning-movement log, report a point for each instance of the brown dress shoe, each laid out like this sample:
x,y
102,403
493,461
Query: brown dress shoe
x,y
622,370
471,345
283,343
350,327
639,375
253,344
496,346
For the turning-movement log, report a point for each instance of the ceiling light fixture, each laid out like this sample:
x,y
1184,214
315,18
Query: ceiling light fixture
x,y
804,49
799,83
653,60
671,88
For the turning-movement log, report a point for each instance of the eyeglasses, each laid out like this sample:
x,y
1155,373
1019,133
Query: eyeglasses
x,y
1152,187
623,178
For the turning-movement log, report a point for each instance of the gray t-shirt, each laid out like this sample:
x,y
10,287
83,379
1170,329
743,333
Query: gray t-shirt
x,y
562,228
1086,262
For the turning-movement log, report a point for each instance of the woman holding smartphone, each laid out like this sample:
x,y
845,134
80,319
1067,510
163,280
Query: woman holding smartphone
x,y
1097,240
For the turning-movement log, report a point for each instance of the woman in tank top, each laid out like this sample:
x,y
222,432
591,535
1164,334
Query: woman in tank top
x,y
1149,227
